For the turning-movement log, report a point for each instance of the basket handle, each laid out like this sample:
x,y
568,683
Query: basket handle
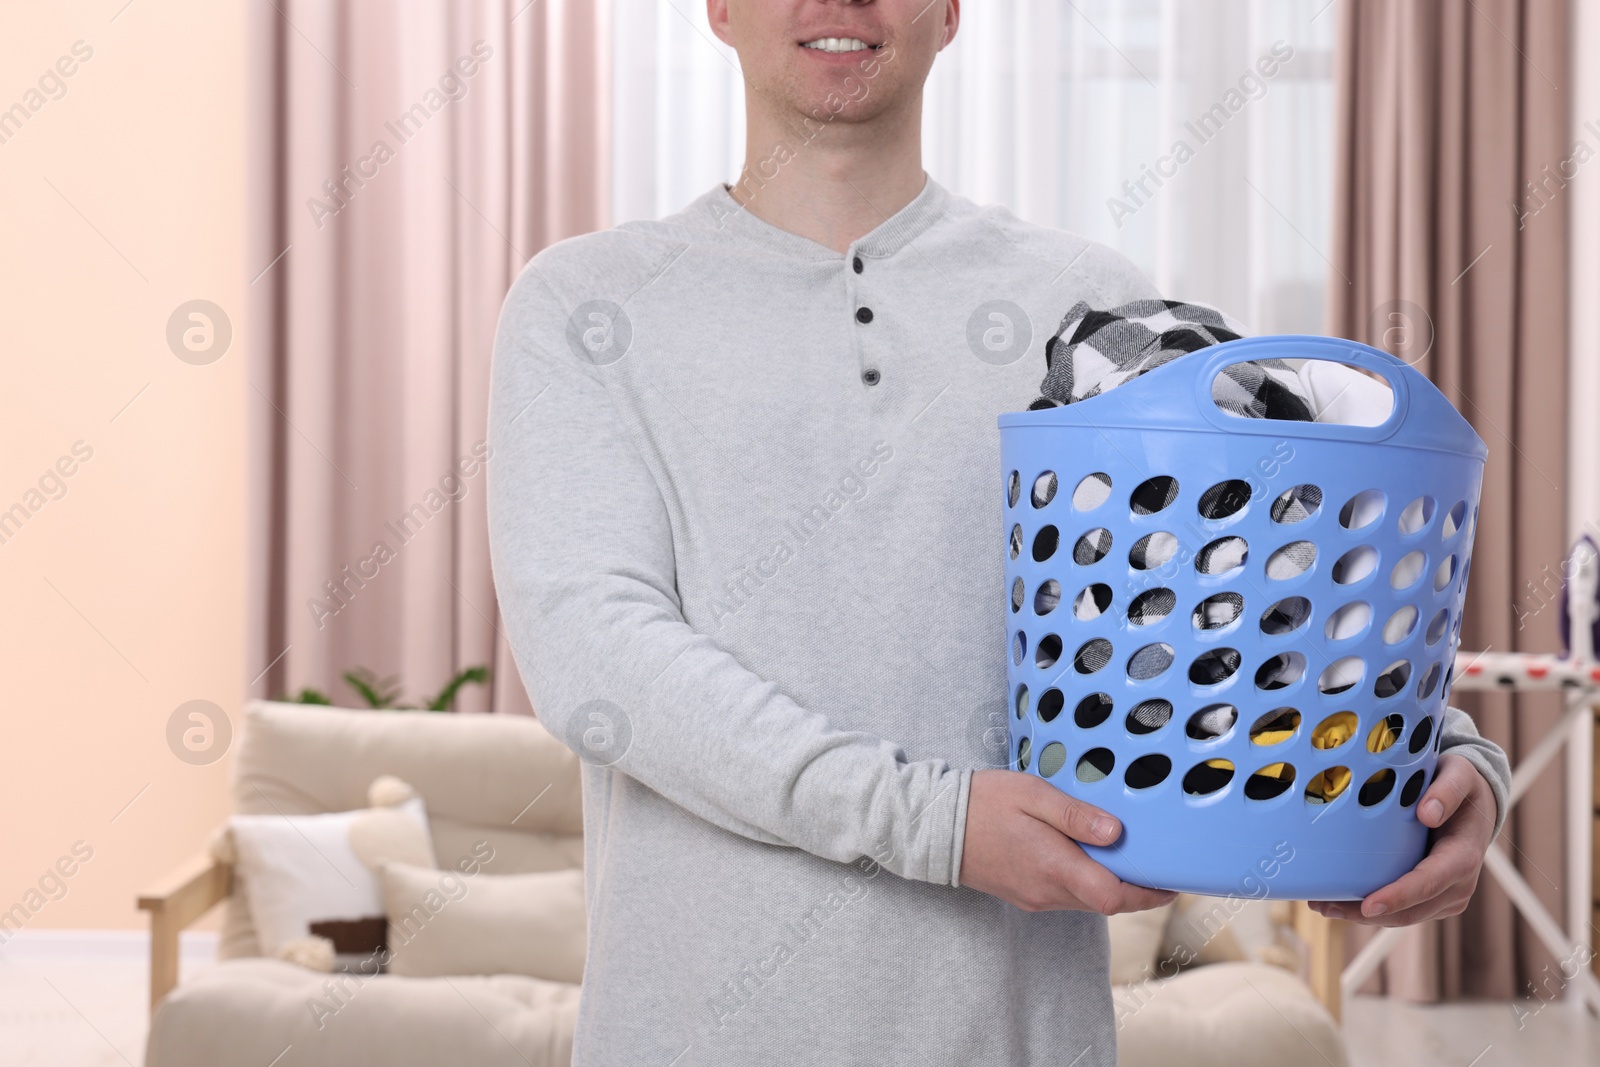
x,y
1394,371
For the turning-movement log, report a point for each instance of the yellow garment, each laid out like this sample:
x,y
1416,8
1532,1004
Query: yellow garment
x,y
1328,785
1334,731
1271,737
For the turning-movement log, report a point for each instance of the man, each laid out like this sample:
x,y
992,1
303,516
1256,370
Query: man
x,y
745,524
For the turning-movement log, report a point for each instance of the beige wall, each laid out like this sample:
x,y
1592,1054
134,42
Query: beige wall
x,y
122,199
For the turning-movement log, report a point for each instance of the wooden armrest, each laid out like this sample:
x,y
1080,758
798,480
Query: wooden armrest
x,y
1325,940
174,903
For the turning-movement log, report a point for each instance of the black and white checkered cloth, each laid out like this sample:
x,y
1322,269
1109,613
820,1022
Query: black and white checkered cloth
x,y
1094,350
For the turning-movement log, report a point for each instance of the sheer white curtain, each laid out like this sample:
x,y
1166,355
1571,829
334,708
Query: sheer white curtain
x,y
1193,136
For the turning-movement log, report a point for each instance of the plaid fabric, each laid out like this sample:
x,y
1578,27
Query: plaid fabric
x,y
1094,350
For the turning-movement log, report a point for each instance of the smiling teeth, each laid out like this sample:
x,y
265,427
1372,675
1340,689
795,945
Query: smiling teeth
x,y
837,44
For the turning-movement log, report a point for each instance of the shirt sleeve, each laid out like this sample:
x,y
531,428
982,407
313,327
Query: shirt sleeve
x,y
582,553
1461,737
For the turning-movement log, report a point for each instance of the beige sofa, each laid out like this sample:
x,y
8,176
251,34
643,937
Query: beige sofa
x,y
498,778
504,779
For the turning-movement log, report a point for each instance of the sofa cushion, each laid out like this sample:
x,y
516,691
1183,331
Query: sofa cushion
x,y
302,870
1225,1015
497,778
445,922
1135,943
256,1011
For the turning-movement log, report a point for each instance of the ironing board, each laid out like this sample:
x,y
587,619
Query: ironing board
x,y
1577,675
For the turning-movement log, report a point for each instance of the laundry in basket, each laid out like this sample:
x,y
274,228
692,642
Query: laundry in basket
x,y
1236,633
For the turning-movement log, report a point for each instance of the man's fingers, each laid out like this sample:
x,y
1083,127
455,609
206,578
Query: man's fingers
x,y
1109,895
1453,784
1079,821
1452,858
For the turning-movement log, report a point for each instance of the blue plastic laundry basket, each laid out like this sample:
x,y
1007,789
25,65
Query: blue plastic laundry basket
x,y
1237,634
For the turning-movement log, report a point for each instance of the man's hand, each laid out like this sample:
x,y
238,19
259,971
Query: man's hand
x,y
1022,846
1460,807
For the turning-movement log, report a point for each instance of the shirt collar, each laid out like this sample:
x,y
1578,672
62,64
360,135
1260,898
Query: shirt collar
x,y
885,239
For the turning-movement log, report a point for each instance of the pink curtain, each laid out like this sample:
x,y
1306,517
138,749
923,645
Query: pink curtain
x,y
407,161
1450,250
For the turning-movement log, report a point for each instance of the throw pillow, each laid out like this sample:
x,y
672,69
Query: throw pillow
x,y
446,923
304,877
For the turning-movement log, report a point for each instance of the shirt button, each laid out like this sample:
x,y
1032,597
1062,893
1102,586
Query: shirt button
x,y
857,264
871,377
863,315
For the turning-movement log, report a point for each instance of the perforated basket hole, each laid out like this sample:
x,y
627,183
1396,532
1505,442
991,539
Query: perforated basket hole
x,y
1270,781
1437,626
1421,736
1044,489
1051,759
1214,666
1449,673
1148,716
1385,732
1024,747
1016,540
1375,788
1095,764
1047,651
1045,542
1327,786
1224,499
1428,683
1016,595
1392,679
1152,550
1349,621
1445,572
1148,770
1355,565
1408,571
1286,616
1217,612
1092,491
1207,777
1413,788
1022,701
1225,555
1151,606
1050,704
1292,560
1091,711
1150,661
1361,510
1013,489
1275,727
1341,675
1019,647
1454,518
1047,597
1334,731
1092,602
1280,671
1153,495
1296,504
1092,656
1212,722
1416,515
1466,569
1092,547
1400,625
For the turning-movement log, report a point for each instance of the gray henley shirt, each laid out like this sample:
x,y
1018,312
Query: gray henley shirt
x,y
747,541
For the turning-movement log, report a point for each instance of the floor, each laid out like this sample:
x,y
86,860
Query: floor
x,y
61,1008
